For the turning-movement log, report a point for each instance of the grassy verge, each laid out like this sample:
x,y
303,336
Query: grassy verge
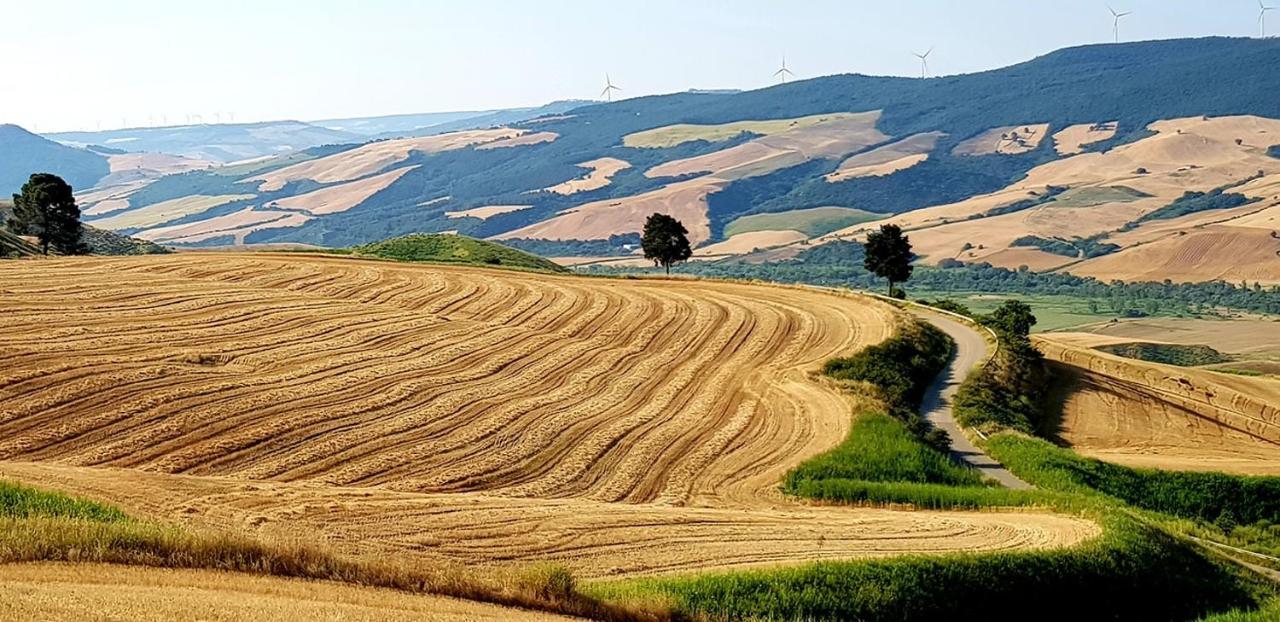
x,y
896,458
1269,612
1133,572
18,501
880,448
1226,500
37,525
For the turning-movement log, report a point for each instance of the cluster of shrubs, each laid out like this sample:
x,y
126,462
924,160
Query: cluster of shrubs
x,y
1008,392
901,369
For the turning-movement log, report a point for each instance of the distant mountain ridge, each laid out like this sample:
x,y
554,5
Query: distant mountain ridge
x,y
994,149
215,142
23,153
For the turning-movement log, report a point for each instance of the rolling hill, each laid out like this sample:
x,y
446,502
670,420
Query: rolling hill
x,y
1080,160
213,142
23,153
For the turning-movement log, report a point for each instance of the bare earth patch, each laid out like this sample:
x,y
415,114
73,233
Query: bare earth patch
x,y
1074,139
602,170
375,157
888,159
685,200
486,212
166,211
1007,140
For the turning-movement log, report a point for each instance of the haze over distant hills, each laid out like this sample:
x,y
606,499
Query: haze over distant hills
x,y
23,153
1077,160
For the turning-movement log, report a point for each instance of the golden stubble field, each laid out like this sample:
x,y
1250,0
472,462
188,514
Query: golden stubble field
x,y
470,416
1161,416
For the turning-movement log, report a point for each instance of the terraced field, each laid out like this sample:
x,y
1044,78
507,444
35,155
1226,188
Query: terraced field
x,y
466,415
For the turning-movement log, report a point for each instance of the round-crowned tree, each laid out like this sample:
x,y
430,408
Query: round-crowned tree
x,y
665,241
889,255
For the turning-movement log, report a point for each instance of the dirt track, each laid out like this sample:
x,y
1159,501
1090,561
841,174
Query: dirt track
x,y
474,416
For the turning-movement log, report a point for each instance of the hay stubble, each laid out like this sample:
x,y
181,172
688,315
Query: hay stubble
x,y
475,416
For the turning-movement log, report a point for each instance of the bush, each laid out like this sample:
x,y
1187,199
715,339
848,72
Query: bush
x,y
1008,391
900,368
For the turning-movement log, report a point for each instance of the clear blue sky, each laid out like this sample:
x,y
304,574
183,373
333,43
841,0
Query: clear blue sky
x,y
72,64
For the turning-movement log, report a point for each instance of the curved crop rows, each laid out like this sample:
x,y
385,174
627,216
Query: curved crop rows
x,y
1152,415
475,415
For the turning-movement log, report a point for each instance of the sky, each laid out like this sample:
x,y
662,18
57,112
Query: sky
x,y
89,64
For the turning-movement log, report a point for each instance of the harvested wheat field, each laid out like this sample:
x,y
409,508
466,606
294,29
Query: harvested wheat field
x,y
375,157
602,172
77,592
472,416
165,211
341,197
1152,415
684,200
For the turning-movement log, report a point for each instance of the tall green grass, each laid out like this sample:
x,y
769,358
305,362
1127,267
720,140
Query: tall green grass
x,y
1269,612
880,448
1132,572
18,501
1225,500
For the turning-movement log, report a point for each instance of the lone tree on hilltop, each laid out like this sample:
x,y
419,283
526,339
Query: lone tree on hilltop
x,y
46,208
665,241
889,255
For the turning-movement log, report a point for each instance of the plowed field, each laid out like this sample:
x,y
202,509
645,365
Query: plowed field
x,y
468,415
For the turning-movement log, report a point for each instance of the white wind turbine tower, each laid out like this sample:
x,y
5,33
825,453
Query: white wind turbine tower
x,y
609,88
924,62
1262,17
1115,25
784,72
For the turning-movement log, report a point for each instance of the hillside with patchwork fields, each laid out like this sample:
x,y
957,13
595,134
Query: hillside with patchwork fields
x,y
1024,166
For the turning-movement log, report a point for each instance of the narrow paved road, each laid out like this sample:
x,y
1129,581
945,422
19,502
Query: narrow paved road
x,y
970,350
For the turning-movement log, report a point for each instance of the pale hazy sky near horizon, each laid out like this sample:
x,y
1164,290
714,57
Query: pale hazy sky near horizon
x,y
81,64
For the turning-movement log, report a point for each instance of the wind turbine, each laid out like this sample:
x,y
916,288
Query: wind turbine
x,y
784,72
1115,25
924,62
1262,17
609,88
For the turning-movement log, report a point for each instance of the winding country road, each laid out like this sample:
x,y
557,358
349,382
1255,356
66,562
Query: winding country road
x,y
970,351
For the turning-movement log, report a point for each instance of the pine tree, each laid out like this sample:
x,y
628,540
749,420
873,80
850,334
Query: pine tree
x,y
46,208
